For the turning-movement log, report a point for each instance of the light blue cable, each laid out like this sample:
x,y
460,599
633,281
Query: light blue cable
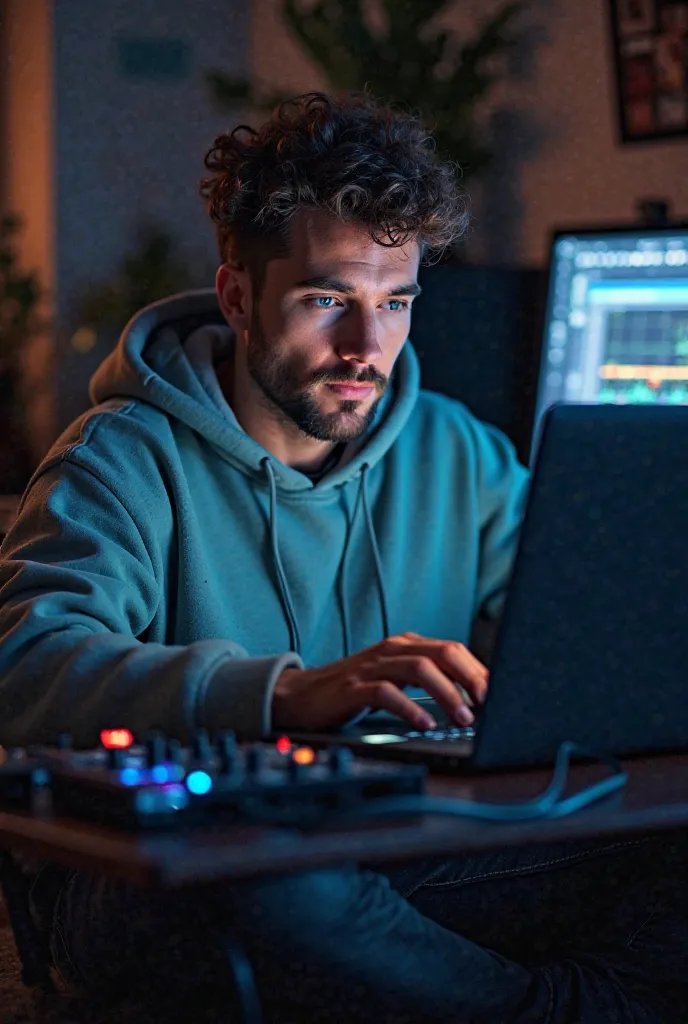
x,y
549,804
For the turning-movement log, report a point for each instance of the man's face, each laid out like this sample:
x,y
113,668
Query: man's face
x,y
329,324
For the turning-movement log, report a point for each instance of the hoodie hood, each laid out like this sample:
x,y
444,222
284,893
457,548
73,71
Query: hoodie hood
x,y
165,357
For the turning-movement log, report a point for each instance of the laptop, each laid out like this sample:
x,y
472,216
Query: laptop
x,y
593,643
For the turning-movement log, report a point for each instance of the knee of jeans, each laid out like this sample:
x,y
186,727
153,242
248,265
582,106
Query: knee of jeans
x,y
299,908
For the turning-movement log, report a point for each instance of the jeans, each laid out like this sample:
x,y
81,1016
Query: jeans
x,y
583,932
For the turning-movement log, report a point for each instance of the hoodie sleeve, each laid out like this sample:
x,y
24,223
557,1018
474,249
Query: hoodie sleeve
x,y
80,582
502,487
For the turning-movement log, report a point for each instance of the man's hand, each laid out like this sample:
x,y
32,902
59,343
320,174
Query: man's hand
x,y
320,697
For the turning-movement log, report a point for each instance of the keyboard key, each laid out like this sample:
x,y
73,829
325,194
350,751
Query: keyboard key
x,y
451,735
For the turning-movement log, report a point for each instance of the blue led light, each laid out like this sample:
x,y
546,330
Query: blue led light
x,y
199,783
160,773
129,776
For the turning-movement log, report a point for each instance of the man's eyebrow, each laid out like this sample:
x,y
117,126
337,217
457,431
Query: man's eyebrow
x,y
324,283
412,288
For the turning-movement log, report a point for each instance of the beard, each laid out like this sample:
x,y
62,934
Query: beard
x,y
296,401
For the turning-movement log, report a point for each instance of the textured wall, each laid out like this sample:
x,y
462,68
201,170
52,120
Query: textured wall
x,y
129,147
554,128
91,149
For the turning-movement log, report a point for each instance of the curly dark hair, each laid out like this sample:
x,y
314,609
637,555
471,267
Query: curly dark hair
x,y
365,163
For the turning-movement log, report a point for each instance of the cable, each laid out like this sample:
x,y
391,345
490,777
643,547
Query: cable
x,y
549,804
244,981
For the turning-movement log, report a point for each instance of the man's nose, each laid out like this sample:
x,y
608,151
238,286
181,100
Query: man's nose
x,y
357,337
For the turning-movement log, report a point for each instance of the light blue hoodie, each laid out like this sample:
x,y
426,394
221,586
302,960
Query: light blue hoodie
x,y
164,568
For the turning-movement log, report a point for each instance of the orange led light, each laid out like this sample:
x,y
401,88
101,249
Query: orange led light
x,y
283,745
304,755
116,739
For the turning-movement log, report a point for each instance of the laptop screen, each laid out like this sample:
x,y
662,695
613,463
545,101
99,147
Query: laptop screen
x,y
616,327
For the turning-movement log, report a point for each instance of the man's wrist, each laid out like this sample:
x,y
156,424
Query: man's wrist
x,y
281,696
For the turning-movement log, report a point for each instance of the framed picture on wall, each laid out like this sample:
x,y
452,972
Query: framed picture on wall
x,y
650,39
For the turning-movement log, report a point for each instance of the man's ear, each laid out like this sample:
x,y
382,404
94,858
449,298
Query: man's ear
x,y
233,287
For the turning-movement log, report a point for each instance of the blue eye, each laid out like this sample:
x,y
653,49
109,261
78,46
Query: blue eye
x,y
398,304
322,301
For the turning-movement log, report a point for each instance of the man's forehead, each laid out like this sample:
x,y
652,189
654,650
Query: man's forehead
x,y
323,246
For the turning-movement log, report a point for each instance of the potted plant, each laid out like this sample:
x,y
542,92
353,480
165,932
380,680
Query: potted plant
x,y
151,271
407,61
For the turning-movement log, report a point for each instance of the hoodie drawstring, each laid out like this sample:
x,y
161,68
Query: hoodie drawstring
x,y
344,576
287,603
362,499
282,582
384,607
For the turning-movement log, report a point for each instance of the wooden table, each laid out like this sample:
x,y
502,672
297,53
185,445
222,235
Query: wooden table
x,y
655,797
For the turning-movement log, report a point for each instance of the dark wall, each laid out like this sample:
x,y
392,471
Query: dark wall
x,y
477,331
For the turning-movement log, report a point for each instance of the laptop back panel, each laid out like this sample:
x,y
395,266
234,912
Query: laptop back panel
x,y
593,645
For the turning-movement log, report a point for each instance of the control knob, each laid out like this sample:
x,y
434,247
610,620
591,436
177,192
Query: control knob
x,y
156,748
175,753
116,758
201,746
226,752
339,760
253,760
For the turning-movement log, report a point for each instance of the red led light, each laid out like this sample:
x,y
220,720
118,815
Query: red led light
x,y
283,744
113,739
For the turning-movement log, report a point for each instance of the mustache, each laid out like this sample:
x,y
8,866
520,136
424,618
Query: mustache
x,y
349,375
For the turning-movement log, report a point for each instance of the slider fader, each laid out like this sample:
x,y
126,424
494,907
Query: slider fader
x,y
159,783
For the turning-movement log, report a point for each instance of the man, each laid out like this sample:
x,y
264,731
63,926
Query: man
x,y
264,524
